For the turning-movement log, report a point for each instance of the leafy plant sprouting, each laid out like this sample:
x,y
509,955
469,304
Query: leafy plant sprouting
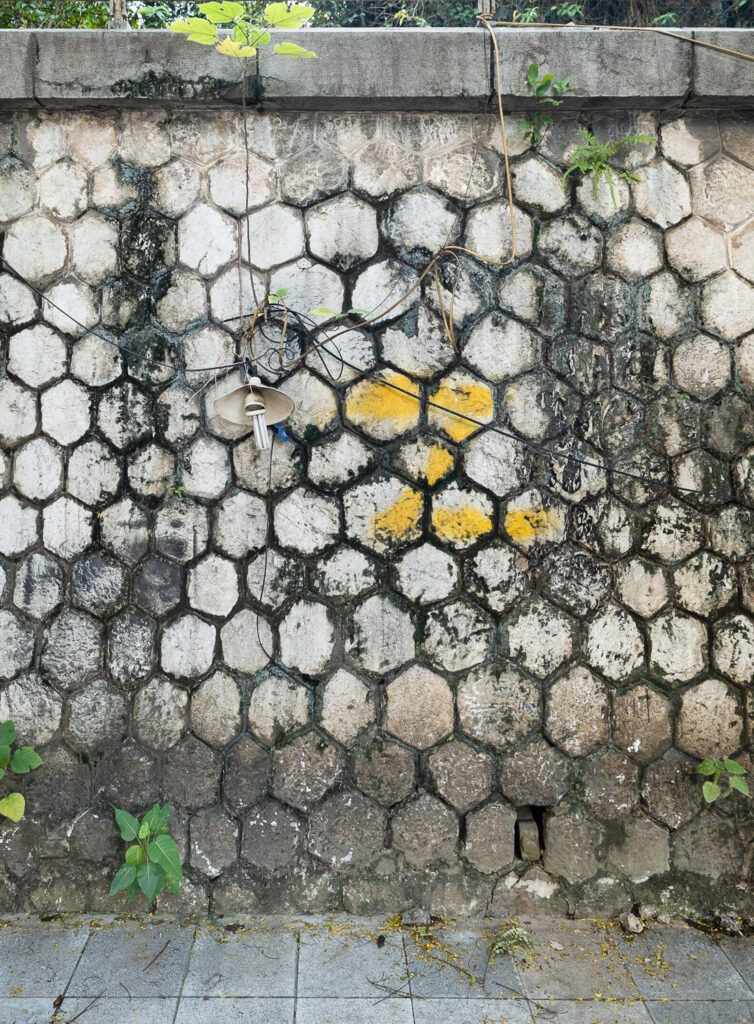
x,y
18,761
544,91
511,936
248,32
722,772
593,158
152,861
534,13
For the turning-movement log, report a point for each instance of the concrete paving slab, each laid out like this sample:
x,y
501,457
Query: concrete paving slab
x,y
354,1011
38,960
131,960
25,1011
681,1011
589,965
681,963
350,965
116,1011
200,1010
257,963
471,1011
453,964
740,952
592,1012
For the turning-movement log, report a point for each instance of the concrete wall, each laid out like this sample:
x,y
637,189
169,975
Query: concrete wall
x,y
460,623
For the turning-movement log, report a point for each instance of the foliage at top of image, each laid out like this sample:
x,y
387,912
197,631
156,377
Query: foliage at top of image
x,y
593,157
246,35
722,772
152,861
18,761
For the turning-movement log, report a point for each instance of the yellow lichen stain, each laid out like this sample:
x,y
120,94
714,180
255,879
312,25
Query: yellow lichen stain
x,y
401,519
374,402
528,524
464,396
439,462
457,525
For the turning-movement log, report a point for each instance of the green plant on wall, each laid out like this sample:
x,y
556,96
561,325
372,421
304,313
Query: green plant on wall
x,y
545,91
593,157
247,32
18,761
722,772
152,861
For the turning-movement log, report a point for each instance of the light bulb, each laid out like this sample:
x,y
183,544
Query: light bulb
x,y
255,411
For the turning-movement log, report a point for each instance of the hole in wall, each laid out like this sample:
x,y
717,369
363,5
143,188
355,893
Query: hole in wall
x,y
530,832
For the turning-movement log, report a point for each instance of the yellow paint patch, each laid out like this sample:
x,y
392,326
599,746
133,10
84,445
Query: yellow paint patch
x,y
439,462
380,409
401,519
466,396
528,524
459,525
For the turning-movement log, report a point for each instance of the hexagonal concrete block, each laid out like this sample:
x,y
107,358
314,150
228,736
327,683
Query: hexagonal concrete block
x,y
419,707
577,714
709,720
380,635
498,708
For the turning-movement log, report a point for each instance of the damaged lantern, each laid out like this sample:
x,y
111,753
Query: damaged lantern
x,y
255,403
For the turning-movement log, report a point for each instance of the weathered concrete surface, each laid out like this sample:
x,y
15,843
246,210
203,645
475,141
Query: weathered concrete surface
x,y
373,69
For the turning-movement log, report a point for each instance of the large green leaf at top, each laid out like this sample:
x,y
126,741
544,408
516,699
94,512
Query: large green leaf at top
x,y
221,13
157,818
199,30
292,50
282,16
151,879
7,733
164,851
124,876
25,760
128,825
13,807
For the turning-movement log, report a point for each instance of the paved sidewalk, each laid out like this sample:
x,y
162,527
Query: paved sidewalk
x,y
345,970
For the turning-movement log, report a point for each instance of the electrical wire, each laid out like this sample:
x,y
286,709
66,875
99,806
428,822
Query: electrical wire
x,y
145,357
298,324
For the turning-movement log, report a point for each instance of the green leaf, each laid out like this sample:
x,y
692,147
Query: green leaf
x,y
143,830
2,772
734,768
282,16
532,74
135,856
323,311
180,25
25,760
151,879
4,756
707,767
7,733
219,13
711,792
124,876
199,30
132,891
13,807
229,48
172,885
736,782
164,851
720,765
292,50
128,825
157,818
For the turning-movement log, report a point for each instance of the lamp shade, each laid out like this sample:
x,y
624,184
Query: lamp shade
x,y
235,407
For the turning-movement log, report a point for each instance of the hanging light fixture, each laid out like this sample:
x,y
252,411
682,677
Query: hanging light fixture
x,y
257,404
